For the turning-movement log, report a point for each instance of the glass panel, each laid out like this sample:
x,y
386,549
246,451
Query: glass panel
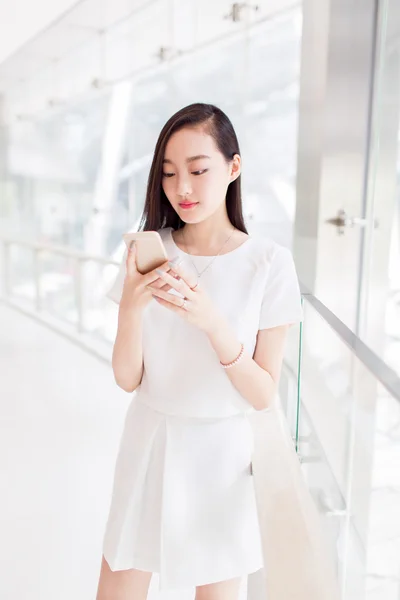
x,y
51,173
213,20
381,268
349,446
289,384
270,124
390,67
59,296
135,43
383,553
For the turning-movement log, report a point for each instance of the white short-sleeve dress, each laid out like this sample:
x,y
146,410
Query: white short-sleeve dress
x,y
183,502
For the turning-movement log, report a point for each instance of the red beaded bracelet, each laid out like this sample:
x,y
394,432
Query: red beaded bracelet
x,y
234,362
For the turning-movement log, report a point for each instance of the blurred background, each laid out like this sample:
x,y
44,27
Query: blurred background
x,y
313,90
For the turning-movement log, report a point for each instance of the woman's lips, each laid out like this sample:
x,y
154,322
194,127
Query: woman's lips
x,y
187,205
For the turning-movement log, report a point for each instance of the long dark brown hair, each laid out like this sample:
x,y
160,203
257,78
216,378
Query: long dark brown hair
x,y
158,212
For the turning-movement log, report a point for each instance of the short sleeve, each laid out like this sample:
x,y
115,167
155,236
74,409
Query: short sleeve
x,y
115,292
281,303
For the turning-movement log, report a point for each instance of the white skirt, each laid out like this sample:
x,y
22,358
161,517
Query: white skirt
x,y
183,502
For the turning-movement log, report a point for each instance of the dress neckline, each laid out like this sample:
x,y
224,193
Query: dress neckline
x,y
209,255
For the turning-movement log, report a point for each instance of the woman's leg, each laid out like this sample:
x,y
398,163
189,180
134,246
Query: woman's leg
x,y
222,590
131,584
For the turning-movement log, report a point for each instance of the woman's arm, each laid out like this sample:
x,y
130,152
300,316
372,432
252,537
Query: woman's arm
x,y
257,378
127,358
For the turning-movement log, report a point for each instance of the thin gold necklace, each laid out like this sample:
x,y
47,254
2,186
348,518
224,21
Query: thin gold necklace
x,y
200,273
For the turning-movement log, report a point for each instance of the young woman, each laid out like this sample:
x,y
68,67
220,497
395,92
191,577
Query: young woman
x,y
201,341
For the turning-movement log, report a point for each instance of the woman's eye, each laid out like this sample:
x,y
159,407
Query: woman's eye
x,y
193,173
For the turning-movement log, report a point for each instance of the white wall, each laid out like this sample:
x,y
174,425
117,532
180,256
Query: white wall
x,y
20,20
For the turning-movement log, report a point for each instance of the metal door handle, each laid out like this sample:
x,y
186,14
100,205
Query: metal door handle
x,y
342,220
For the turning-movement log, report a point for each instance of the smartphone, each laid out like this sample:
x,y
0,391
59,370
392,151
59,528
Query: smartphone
x,y
150,250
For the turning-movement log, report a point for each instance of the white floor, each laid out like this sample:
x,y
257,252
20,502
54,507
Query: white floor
x,y
61,416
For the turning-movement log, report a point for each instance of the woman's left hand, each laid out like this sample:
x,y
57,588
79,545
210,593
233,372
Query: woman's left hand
x,y
196,306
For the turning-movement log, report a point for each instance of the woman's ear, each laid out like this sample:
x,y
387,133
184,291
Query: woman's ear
x,y
235,168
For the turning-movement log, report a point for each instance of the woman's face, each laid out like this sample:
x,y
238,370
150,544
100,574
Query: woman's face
x,y
196,175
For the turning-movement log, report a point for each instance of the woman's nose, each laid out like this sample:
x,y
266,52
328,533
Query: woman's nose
x,y
184,187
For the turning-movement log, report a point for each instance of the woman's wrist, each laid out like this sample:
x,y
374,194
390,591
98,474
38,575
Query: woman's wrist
x,y
129,309
224,341
235,361
216,324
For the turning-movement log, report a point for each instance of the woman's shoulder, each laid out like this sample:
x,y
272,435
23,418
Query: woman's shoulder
x,y
268,250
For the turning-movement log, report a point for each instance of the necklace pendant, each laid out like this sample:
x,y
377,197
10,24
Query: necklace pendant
x,y
199,274
193,269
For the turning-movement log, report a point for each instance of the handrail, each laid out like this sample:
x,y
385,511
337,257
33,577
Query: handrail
x,y
37,249
375,365
56,249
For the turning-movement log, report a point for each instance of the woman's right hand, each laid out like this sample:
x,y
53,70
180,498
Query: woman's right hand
x,y
135,293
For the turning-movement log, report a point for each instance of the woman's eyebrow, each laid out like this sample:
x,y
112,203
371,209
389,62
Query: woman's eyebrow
x,y
188,160
192,158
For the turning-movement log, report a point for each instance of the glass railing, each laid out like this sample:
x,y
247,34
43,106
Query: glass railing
x,y
63,288
342,405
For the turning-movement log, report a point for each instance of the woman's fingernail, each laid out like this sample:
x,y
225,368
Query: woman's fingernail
x,y
131,244
160,272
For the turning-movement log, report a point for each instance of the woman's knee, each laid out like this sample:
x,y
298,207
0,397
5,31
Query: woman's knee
x,y
221,590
